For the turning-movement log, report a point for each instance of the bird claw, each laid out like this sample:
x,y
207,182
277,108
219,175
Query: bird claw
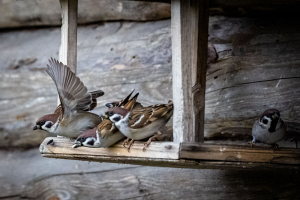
x,y
146,145
251,144
275,146
126,141
130,144
295,139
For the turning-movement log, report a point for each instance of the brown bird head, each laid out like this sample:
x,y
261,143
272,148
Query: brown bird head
x,y
113,104
88,138
121,103
46,122
115,114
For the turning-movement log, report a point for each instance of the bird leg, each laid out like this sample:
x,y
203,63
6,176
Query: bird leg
x,y
126,141
252,143
295,139
275,146
146,144
130,144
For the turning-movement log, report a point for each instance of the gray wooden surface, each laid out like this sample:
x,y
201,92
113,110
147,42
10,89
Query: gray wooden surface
x,y
208,155
28,175
257,68
189,30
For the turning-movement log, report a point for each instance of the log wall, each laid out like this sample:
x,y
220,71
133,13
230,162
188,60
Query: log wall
x,y
253,65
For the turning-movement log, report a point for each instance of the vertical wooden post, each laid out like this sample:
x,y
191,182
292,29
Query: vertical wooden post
x,y
68,47
189,24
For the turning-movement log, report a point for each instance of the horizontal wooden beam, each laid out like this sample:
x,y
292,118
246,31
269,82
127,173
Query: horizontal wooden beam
x,y
239,153
157,150
159,1
234,3
168,154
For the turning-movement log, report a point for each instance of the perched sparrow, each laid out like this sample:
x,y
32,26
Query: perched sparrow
x,y
105,134
141,122
269,128
71,117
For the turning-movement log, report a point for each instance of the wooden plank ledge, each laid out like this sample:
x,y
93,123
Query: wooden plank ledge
x,y
185,155
160,150
240,153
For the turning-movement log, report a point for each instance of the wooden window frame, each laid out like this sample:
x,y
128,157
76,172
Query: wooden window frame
x,y
189,28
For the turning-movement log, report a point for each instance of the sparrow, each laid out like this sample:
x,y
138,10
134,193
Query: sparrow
x,y
70,118
141,122
106,133
269,128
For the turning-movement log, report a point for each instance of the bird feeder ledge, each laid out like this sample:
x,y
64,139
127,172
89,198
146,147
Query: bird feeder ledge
x,y
189,27
183,155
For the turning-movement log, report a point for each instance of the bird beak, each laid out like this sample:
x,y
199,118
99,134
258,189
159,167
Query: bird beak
x,y
108,105
275,116
76,144
36,127
106,116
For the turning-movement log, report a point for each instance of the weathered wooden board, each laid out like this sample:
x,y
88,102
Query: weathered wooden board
x,y
168,154
40,177
240,153
20,167
166,183
68,46
257,68
189,30
48,12
156,150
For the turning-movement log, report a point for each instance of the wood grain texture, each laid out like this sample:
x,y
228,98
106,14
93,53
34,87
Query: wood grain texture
x,y
181,72
189,61
198,22
240,153
157,150
168,154
261,71
68,47
161,1
167,183
84,180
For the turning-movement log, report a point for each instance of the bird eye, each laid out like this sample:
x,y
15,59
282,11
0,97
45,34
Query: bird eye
x,y
265,121
116,119
42,122
111,113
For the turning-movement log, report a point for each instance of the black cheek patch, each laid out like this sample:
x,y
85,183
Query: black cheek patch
x,y
116,119
273,125
91,142
49,125
265,121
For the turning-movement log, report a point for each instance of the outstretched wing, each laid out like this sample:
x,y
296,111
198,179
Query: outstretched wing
x,y
95,95
72,93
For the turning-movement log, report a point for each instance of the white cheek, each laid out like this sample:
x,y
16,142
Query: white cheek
x,y
268,125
